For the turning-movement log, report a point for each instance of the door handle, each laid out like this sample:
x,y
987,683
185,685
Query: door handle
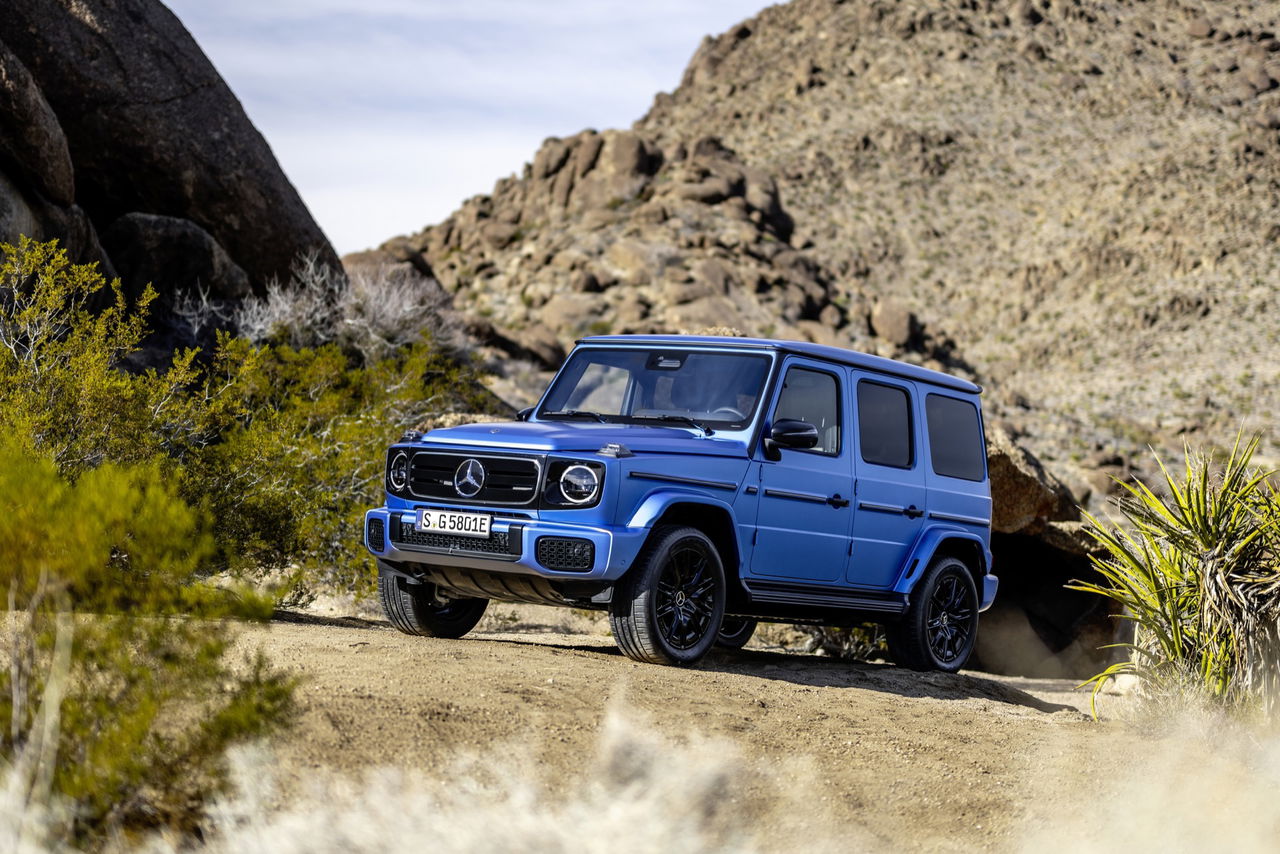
x,y
838,502
913,512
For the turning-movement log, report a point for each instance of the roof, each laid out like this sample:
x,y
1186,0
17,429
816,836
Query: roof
x,y
824,352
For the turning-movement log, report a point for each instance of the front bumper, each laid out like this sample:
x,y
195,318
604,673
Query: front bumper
x,y
513,546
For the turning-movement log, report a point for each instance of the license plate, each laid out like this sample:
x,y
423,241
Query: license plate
x,y
450,522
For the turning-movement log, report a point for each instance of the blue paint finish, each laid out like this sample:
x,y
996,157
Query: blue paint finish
x,y
829,521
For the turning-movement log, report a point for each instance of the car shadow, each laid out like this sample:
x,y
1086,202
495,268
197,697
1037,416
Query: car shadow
x,y
812,671
283,615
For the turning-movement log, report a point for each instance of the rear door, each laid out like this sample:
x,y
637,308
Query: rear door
x,y
891,499
804,516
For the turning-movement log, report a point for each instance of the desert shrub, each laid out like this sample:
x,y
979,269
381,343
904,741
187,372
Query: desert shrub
x,y
369,313
109,628
279,440
1198,571
856,643
316,436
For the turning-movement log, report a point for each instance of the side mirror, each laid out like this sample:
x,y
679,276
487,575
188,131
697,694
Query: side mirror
x,y
523,414
789,433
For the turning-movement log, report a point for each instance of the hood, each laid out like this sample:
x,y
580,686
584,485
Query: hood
x,y
587,437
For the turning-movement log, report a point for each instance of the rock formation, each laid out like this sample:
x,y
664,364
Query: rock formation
x,y
118,137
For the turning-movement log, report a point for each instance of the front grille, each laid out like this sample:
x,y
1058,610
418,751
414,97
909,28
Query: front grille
x,y
566,553
508,480
376,535
498,543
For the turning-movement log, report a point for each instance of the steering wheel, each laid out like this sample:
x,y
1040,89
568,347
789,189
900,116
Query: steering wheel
x,y
733,414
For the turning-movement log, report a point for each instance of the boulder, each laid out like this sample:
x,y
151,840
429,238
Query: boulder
x,y
893,322
23,212
32,146
151,127
174,254
1024,495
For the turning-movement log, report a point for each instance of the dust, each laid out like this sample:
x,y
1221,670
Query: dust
x,y
636,793
1198,781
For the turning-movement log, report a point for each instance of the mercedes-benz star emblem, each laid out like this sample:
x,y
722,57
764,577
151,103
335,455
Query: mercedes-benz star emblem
x,y
468,480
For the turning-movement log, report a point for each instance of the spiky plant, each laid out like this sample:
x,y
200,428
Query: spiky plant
x,y
1198,571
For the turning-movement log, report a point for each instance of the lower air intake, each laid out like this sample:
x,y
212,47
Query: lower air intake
x,y
376,535
566,554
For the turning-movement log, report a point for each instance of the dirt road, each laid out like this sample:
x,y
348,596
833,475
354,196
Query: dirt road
x,y
886,757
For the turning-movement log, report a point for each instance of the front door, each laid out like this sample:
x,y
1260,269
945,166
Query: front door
x,y
804,517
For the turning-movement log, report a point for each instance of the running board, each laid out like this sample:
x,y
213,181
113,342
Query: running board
x,y
816,595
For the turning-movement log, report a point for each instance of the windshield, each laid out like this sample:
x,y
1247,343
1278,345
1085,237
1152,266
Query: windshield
x,y
690,387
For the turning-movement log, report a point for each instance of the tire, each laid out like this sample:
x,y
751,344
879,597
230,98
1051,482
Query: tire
x,y
413,609
940,627
669,607
735,632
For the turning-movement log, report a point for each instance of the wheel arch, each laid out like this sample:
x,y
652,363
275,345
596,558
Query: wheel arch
x,y
711,517
945,542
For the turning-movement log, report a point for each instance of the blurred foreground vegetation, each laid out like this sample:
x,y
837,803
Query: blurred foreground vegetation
x,y
140,510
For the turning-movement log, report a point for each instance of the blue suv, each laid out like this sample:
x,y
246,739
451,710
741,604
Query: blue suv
x,y
692,486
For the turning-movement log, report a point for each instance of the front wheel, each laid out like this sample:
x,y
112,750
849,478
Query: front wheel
x,y
940,627
415,609
669,608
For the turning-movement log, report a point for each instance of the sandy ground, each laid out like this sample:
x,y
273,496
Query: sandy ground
x,y
873,754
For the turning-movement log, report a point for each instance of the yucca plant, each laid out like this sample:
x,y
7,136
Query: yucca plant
x,y
1198,571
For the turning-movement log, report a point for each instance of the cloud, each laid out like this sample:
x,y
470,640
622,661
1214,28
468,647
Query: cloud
x,y
388,113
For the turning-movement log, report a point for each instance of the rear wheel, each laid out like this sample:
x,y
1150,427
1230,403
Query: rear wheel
x,y
417,609
940,627
735,632
669,608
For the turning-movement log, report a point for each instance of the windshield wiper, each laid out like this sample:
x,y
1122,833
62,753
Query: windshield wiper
x,y
575,413
677,419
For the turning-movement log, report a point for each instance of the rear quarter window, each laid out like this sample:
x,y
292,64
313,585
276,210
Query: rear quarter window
x,y
956,448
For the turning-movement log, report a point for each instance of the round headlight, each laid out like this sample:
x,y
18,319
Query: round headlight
x,y
398,471
579,484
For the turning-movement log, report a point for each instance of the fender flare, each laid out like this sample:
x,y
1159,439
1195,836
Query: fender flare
x,y
657,502
927,546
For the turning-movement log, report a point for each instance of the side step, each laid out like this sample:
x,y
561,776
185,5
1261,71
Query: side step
x,y
821,596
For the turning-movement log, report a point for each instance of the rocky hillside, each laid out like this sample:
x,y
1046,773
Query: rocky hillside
x,y
1075,202
118,138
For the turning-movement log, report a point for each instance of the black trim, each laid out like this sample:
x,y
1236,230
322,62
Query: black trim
x,y
798,496
822,596
966,520
881,508
687,481
751,490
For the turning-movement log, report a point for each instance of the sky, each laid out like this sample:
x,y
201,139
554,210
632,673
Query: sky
x,y
386,114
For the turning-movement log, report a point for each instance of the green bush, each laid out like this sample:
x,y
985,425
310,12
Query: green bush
x,y
282,446
118,696
1198,571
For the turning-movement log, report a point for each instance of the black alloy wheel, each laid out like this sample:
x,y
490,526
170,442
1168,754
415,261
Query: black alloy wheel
x,y
949,620
416,609
668,608
735,632
685,602
940,627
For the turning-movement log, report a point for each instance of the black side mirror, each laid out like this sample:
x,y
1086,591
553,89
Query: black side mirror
x,y
523,414
789,433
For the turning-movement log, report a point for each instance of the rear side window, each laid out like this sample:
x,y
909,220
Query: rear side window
x,y
956,448
884,425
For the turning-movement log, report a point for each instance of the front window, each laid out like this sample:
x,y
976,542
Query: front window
x,y
636,386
